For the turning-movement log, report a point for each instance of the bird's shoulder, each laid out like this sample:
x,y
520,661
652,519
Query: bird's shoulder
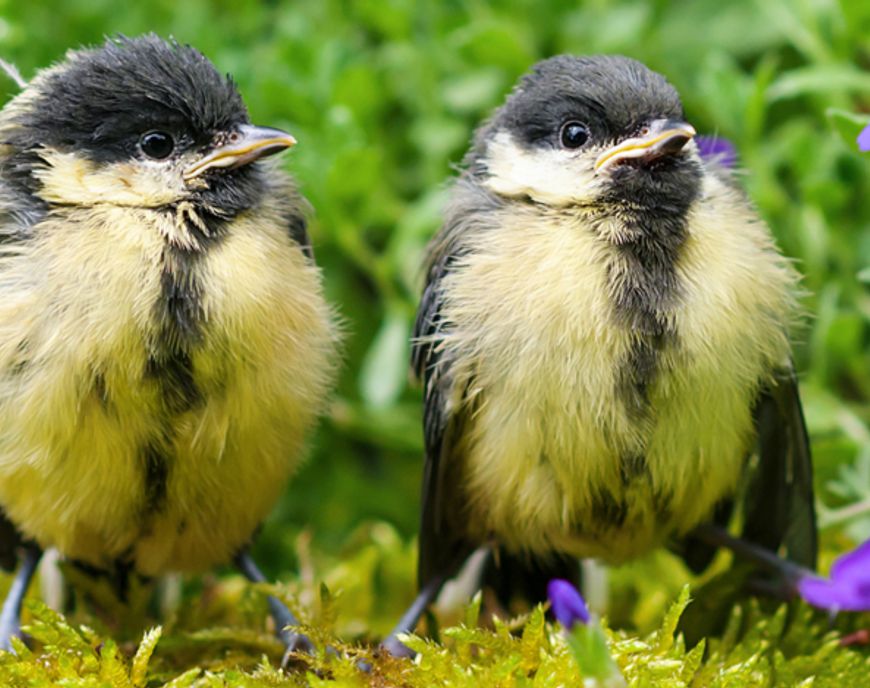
x,y
20,210
284,201
471,209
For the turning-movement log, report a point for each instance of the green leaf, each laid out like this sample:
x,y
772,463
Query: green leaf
x,y
848,125
589,646
185,680
385,367
472,611
665,635
139,671
533,639
818,80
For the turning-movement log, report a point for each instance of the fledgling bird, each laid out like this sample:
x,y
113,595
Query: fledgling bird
x,y
603,341
165,343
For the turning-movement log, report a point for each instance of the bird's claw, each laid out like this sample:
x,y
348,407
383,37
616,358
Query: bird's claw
x,y
397,649
6,635
295,644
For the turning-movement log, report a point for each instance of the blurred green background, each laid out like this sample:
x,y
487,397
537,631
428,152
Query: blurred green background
x,y
383,96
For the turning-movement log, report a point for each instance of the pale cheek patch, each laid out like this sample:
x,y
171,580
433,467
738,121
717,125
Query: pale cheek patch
x,y
554,177
72,180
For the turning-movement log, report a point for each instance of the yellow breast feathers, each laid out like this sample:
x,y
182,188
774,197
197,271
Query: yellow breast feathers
x,y
554,454
113,446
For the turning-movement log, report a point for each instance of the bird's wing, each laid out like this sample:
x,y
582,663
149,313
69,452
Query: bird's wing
x,y
780,510
443,545
20,210
294,211
297,228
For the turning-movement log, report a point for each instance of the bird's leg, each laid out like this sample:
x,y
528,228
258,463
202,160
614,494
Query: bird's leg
x,y
10,617
283,617
788,571
409,619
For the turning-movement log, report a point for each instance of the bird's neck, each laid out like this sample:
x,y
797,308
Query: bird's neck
x,y
190,228
644,288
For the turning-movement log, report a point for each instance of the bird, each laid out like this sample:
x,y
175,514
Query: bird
x,y
166,346
603,343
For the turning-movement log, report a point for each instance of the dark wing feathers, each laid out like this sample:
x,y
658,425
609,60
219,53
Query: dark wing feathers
x,y
439,548
780,509
443,545
297,227
520,576
697,553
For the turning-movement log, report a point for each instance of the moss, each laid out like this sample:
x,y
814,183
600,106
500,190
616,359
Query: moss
x,y
220,636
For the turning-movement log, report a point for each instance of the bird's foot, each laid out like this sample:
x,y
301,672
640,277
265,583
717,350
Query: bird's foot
x,y
781,589
762,558
10,614
390,645
409,619
7,632
295,644
397,649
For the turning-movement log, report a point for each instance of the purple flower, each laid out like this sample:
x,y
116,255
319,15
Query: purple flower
x,y
717,150
847,588
864,140
567,603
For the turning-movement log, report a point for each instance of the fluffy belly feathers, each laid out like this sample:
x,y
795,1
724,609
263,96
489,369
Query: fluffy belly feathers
x,y
91,459
551,453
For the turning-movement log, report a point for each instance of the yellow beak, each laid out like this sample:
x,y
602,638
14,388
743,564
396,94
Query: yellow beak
x,y
662,137
245,145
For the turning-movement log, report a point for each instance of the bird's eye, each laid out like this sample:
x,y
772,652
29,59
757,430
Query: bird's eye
x,y
574,134
157,144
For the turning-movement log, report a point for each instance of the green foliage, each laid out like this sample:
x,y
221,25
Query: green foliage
x,y
792,646
383,96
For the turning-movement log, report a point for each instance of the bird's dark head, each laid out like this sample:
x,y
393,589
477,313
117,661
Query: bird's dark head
x,y
601,132
137,122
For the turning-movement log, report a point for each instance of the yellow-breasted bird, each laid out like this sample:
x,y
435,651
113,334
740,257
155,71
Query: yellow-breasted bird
x,y
603,340
165,344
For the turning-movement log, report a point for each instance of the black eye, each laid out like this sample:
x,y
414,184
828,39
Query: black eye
x,y
574,134
157,144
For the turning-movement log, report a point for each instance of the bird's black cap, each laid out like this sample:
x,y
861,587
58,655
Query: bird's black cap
x,y
614,98
611,94
100,100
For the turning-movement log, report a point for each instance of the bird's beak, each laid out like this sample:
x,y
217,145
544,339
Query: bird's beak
x,y
243,146
662,137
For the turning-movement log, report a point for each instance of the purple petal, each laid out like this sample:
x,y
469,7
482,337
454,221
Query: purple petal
x,y
854,567
820,593
847,589
824,594
864,140
567,603
716,149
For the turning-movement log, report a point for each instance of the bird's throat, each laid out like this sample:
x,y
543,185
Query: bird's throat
x,y
644,289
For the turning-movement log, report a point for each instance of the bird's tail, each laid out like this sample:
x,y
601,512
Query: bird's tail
x,y
517,578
